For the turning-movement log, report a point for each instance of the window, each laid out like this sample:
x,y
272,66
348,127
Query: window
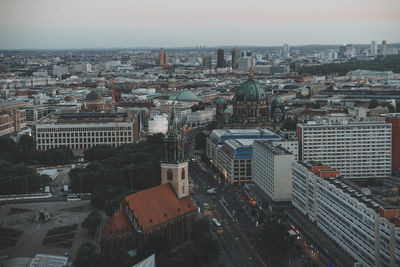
x,y
183,174
169,175
183,189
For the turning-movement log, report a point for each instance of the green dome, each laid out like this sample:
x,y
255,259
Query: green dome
x,y
172,97
221,101
188,96
93,96
277,100
250,91
227,111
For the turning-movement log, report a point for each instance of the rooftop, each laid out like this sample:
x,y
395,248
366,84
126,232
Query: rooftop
x,y
157,205
117,224
44,260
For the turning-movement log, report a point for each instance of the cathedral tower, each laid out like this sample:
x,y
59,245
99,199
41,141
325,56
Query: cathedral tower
x,y
174,167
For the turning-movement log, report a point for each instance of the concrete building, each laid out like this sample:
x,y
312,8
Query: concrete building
x,y
82,131
235,161
374,48
366,229
359,150
220,59
236,53
272,171
394,120
217,138
12,117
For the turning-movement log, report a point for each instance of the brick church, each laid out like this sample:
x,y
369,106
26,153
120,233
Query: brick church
x,y
165,210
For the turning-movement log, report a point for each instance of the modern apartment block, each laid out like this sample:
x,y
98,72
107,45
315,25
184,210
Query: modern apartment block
x,y
359,150
272,171
82,131
394,119
361,225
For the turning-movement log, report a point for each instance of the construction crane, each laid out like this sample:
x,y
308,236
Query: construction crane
x,y
114,103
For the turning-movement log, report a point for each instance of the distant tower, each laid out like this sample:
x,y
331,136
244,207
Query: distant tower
x,y
384,48
161,57
285,50
374,48
236,53
220,58
174,167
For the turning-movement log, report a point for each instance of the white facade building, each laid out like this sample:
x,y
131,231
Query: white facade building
x,y
83,133
357,149
272,171
363,228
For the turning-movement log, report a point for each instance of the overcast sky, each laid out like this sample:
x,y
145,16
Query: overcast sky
x,y
171,23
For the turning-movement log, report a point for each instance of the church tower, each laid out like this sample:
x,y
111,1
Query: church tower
x,y
174,167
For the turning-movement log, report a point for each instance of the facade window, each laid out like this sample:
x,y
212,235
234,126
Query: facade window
x,y
183,174
169,175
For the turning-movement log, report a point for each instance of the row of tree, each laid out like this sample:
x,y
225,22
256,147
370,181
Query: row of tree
x,y
387,63
16,176
24,151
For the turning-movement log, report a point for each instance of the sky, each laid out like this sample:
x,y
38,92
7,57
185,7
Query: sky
x,y
70,24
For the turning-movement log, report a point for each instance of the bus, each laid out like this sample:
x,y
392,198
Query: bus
x,y
217,224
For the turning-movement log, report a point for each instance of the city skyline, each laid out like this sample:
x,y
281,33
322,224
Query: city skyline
x,y
75,24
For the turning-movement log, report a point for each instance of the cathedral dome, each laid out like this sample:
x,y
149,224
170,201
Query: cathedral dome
x,y
93,96
250,90
221,101
277,100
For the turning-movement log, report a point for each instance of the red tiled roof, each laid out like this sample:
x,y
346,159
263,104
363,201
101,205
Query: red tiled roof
x,y
117,224
157,205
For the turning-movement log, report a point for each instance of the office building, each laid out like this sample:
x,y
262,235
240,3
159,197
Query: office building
x,y
394,120
360,224
285,51
84,130
12,117
359,150
272,171
217,138
374,48
384,48
220,59
234,161
236,54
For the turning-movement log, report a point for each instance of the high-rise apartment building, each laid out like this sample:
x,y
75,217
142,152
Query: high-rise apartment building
x,y
374,48
285,50
220,58
394,119
384,48
272,171
358,150
236,54
362,226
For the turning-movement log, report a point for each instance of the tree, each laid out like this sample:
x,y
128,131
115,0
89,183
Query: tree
x,y
85,255
200,141
276,239
92,221
373,104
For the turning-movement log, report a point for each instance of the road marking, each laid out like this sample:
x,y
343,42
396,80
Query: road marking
x,y
37,227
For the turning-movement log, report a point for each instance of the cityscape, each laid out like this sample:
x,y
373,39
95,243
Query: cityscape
x,y
187,142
